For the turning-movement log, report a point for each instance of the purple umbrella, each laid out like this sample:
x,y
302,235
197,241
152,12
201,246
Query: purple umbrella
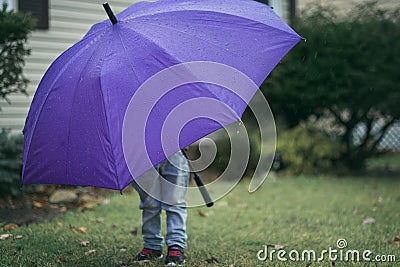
x,y
74,130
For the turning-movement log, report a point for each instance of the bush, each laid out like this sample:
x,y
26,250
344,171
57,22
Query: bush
x,y
11,146
347,70
306,149
15,28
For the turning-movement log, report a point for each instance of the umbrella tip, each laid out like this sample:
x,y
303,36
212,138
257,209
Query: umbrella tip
x,y
110,13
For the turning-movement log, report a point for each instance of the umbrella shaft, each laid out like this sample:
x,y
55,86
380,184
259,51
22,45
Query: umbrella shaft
x,y
110,13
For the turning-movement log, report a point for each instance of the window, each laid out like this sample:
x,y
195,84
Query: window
x,y
10,4
263,1
39,9
275,4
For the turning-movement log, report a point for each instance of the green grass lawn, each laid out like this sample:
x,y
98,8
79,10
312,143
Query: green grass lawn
x,y
302,213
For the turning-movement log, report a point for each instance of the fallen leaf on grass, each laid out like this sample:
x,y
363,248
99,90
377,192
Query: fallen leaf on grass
x,y
212,260
395,240
100,220
82,230
18,237
355,212
84,243
90,252
202,214
43,200
276,246
122,250
5,236
59,224
134,232
10,226
63,209
87,206
37,204
368,220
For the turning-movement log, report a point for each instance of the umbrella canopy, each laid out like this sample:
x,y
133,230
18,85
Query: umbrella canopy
x,y
74,129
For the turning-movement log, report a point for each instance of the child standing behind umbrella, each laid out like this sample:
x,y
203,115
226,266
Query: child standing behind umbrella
x,y
175,171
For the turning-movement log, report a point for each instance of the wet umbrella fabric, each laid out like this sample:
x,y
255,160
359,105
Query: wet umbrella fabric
x,y
73,132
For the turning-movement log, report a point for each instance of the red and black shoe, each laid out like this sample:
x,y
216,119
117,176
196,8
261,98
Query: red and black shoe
x,y
175,257
147,255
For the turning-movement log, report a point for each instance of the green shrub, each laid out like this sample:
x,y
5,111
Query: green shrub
x,y
15,28
347,70
11,146
306,149
224,153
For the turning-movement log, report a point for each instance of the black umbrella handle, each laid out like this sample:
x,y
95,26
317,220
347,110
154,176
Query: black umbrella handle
x,y
200,184
203,190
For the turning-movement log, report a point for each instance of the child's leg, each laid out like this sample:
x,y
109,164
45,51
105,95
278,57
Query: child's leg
x,y
175,206
151,224
151,219
176,226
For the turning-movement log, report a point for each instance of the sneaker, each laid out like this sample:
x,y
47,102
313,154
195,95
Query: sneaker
x,y
147,255
175,257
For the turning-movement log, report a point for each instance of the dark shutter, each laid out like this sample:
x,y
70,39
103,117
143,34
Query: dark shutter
x,y
263,1
39,9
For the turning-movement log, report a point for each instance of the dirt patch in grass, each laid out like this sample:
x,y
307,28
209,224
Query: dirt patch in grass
x,y
35,205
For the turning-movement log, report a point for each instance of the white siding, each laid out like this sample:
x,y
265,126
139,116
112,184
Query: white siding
x,y
344,6
69,21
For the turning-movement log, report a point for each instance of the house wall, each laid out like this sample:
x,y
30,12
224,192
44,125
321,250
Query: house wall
x,y
69,21
343,6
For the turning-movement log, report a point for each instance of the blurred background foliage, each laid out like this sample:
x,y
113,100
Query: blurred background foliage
x,y
307,149
10,163
344,76
15,28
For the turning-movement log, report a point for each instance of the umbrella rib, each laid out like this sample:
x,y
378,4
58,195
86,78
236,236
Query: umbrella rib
x,y
126,52
73,97
193,36
197,37
108,127
209,11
